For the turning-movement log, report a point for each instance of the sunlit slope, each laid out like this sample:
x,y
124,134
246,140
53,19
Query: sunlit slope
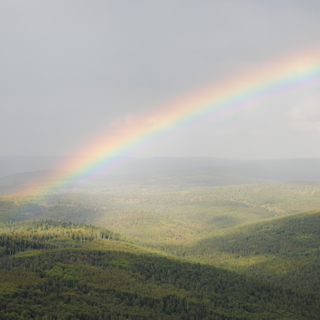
x,y
62,270
187,216
173,217
283,251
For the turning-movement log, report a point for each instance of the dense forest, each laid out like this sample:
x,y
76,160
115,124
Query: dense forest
x,y
282,251
214,252
52,270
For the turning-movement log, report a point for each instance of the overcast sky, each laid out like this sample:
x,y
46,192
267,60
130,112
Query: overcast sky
x,y
70,68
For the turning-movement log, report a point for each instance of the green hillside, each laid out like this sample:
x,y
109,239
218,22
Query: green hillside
x,y
172,217
58,270
223,252
282,251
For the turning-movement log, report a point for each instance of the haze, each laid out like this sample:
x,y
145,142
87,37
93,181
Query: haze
x,y
70,69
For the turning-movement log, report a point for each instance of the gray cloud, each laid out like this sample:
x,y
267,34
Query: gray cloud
x,y
71,68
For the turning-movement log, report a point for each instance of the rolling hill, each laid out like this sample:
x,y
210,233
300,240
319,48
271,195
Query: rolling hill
x,y
282,251
171,217
59,270
213,239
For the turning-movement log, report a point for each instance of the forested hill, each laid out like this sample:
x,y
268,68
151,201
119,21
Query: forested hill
x,y
282,251
172,217
286,235
48,234
234,257
50,271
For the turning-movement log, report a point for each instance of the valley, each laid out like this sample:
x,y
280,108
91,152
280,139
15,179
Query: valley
x,y
170,245
58,270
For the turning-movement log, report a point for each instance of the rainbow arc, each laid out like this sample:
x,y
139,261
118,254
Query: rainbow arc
x,y
223,99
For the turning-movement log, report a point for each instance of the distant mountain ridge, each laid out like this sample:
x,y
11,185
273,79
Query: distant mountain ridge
x,y
276,169
10,165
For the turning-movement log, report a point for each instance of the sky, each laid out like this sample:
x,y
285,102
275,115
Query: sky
x,y
71,69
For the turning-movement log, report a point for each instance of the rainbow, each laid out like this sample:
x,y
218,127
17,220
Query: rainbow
x,y
223,99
